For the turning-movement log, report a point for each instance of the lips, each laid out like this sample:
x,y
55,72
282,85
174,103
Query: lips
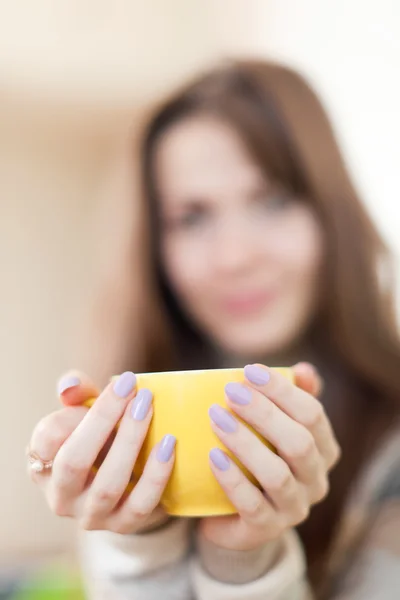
x,y
247,303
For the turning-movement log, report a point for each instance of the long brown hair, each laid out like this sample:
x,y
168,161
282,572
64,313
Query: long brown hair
x,y
353,339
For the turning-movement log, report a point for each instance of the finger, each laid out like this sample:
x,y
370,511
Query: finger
x,y
297,404
51,433
294,443
105,449
76,457
308,379
270,470
75,387
249,501
115,472
147,493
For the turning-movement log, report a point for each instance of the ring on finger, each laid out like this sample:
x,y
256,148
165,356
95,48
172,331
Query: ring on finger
x,y
36,463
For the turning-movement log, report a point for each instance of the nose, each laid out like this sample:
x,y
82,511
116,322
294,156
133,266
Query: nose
x,y
235,247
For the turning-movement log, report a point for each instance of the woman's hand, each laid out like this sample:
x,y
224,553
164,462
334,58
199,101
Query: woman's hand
x,y
74,438
292,480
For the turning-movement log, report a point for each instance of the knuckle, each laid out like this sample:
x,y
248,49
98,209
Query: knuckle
x,y
59,506
282,481
158,481
105,496
299,512
315,416
122,528
44,426
88,522
255,510
321,489
302,512
53,436
52,424
236,487
138,512
140,506
43,434
72,469
303,448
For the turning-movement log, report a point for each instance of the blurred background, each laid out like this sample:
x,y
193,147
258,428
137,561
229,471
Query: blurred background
x,y
76,80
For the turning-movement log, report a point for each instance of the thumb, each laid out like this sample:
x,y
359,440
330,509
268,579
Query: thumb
x,y
74,388
308,379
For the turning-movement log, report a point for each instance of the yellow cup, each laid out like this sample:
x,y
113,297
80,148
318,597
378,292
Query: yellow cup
x,y
181,403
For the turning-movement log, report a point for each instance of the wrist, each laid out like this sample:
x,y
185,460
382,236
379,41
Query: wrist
x,y
237,566
125,556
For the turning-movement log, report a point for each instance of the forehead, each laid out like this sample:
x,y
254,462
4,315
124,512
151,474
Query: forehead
x,y
201,152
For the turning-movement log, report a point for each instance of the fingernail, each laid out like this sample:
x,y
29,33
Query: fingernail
x,y
256,374
238,393
67,383
222,418
166,448
125,384
220,459
141,404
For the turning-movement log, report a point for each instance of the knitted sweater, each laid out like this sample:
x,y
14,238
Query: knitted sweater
x,y
163,563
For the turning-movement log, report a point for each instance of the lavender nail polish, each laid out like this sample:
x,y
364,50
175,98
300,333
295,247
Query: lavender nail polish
x,y
256,374
238,393
166,448
141,404
67,383
220,459
222,418
125,384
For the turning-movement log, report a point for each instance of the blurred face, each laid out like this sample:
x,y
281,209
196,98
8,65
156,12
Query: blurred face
x,y
242,257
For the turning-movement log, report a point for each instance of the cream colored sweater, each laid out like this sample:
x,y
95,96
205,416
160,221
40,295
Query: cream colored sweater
x,y
163,565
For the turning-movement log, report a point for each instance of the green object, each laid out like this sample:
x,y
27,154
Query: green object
x,y
55,584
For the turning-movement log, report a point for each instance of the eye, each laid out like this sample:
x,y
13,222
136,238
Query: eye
x,y
279,200
192,217
273,199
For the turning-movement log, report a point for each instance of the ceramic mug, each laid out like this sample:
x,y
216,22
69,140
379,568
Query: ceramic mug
x,y
181,401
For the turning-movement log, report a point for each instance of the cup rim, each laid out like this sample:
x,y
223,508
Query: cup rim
x,y
192,371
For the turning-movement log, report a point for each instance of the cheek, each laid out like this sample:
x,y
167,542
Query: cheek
x,y
185,267
300,249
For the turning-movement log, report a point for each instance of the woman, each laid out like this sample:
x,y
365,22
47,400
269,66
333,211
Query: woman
x,y
261,253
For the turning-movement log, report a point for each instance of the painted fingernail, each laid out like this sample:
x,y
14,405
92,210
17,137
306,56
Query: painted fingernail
x,y
166,448
256,374
125,384
66,383
141,404
222,418
220,459
238,393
